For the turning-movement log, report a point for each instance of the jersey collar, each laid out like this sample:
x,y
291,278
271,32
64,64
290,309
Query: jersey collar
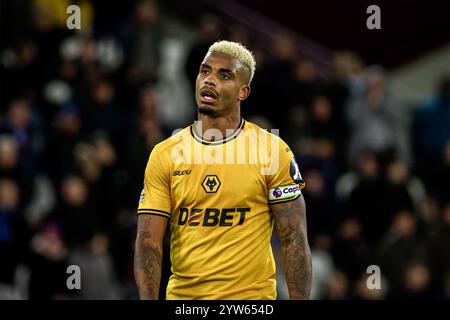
x,y
221,141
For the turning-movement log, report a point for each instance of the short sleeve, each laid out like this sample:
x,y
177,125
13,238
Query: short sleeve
x,y
155,197
286,183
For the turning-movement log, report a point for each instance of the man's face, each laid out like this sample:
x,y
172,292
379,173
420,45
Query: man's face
x,y
222,82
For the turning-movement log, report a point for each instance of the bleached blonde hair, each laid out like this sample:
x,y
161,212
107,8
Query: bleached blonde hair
x,y
238,51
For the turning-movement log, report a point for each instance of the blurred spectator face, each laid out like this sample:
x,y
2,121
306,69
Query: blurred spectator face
x,y
447,283
431,209
337,286
363,291
104,152
306,71
99,244
209,28
284,48
322,242
88,51
87,160
446,215
148,101
238,34
68,123
368,165
323,148
104,93
42,19
350,230
19,113
404,224
9,195
150,130
416,278
8,152
347,64
68,70
147,13
321,109
48,242
447,154
316,183
74,191
376,85
27,52
397,173
444,87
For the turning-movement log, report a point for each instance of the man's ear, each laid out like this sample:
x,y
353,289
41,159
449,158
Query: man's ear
x,y
244,92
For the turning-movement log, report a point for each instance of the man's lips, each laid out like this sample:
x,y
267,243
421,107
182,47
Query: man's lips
x,y
208,95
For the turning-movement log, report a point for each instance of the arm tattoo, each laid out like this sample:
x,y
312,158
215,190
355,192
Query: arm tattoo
x,y
290,224
147,261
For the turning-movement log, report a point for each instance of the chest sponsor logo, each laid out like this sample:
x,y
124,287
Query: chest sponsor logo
x,y
212,217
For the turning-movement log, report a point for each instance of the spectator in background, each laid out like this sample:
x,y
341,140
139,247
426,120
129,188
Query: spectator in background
x,y
209,31
400,246
432,124
74,212
338,287
438,244
304,84
22,124
10,168
432,141
376,120
64,136
349,250
363,292
12,227
415,283
96,162
99,281
143,137
48,264
366,201
101,112
322,122
280,66
322,265
320,170
145,39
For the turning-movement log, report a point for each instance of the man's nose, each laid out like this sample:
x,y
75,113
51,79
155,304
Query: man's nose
x,y
210,80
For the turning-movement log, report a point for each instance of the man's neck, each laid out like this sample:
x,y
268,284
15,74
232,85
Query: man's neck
x,y
224,124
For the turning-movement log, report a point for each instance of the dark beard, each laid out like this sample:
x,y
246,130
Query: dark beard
x,y
207,111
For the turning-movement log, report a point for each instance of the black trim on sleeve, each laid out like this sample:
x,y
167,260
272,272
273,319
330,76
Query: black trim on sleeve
x,y
154,212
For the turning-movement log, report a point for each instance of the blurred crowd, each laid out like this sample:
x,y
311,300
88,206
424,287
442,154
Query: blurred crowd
x,y
80,111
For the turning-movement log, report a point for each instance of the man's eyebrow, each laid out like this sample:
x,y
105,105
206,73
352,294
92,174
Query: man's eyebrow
x,y
226,70
205,65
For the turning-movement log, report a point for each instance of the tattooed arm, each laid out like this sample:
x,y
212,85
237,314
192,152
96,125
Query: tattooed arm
x,y
148,255
290,225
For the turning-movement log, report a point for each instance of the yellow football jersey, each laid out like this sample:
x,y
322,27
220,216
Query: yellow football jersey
x,y
217,196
